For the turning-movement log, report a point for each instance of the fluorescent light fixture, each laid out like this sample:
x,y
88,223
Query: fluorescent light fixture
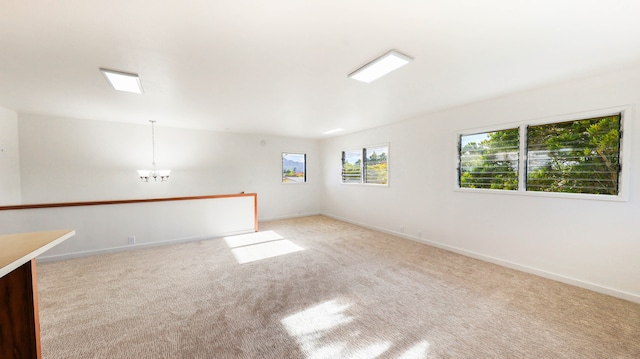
x,y
381,66
123,81
332,131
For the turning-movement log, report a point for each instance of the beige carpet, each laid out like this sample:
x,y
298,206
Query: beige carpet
x,y
335,291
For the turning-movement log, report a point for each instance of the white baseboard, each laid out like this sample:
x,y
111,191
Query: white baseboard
x,y
632,297
130,247
57,257
299,215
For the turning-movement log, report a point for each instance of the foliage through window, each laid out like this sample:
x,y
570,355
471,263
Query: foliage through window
x,y
489,160
376,165
294,168
576,157
367,165
581,156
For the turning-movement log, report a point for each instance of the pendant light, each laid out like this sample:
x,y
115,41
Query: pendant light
x,y
163,175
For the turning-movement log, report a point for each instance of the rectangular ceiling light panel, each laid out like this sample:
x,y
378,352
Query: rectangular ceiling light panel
x,y
123,81
381,66
332,131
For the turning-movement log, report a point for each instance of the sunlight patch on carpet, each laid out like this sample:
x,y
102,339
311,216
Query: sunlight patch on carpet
x,y
417,351
320,331
253,247
242,240
316,320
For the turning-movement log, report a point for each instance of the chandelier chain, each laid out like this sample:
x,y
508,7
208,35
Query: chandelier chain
x,y
153,144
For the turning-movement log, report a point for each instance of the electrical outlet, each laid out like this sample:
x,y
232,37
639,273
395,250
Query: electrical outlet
x,y
420,234
132,239
402,229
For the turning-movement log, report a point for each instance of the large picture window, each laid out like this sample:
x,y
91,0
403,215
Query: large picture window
x,y
367,165
579,156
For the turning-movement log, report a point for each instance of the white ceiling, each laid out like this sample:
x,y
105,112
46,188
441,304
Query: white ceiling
x,y
280,66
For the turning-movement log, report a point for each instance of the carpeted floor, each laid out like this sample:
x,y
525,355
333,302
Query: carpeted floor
x,y
318,288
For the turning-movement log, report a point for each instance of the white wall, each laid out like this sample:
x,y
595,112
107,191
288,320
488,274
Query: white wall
x,y
69,160
106,228
590,243
9,158
74,160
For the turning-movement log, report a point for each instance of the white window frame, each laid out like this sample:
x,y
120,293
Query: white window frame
x,y
625,154
362,150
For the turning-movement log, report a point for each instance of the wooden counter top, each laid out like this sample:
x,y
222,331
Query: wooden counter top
x,y
18,249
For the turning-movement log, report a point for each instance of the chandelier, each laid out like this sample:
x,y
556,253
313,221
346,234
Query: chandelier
x,y
163,175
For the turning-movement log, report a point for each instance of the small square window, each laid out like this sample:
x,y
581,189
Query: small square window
x,y
294,167
368,165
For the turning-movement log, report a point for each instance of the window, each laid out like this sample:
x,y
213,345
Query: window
x,y
367,165
489,160
578,156
352,166
294,167
376,164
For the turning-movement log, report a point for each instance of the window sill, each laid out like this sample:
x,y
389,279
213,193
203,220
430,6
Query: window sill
x,y
580,196
365,184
